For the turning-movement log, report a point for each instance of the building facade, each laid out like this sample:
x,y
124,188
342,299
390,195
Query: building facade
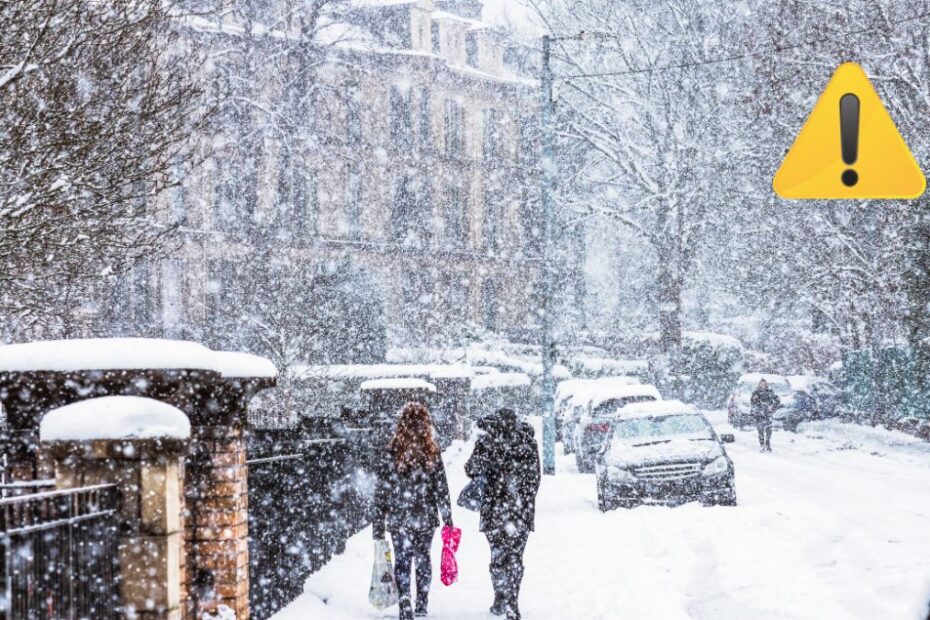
x,y
401,139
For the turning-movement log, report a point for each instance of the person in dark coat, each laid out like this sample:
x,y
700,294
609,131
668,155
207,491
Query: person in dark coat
x,y
507,458
763,404
411,493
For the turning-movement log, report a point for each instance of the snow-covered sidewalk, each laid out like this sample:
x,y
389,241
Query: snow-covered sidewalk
x,y
833,524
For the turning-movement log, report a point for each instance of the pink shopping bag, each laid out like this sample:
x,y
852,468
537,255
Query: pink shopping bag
x,y
451,536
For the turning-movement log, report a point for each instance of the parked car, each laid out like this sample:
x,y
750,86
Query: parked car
x,y
738,411
592,429
579,395
815,398
664,452
565,392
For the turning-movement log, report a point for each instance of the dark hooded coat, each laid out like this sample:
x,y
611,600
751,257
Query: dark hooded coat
x,y
763,404
507,456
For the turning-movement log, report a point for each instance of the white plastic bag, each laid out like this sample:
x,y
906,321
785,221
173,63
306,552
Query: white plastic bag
x,y
383,592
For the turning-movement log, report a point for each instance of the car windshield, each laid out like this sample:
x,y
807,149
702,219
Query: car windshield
x,y
663,427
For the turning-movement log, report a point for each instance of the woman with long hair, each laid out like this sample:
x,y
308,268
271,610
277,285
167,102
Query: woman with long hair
x,y
411,494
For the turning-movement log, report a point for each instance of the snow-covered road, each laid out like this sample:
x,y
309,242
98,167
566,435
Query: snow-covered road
x,y
834,524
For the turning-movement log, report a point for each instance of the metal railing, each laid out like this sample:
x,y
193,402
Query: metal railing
x,y
59,556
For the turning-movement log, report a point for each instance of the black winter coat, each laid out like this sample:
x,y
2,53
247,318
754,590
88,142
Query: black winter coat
x,y
507,456
763,404
409,501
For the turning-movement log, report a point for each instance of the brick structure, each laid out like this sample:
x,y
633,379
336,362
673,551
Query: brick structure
x,y
149,474
217,521
213,567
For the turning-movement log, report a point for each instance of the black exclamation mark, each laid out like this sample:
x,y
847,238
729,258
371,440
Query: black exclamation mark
x,y
849,136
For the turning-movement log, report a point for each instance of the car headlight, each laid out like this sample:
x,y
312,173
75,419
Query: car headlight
x,y
717,467
619,476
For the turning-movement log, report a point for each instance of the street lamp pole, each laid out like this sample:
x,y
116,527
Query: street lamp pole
x,y
548,184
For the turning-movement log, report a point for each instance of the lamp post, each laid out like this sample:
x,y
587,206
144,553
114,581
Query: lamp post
x,y
548,184
549,168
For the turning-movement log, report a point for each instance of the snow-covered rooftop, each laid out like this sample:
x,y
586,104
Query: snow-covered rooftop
x,y
399,383
500,380
114,417
130,354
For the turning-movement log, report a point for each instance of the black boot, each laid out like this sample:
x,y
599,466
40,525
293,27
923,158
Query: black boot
x,y
422,603
499,608
513,612
406,610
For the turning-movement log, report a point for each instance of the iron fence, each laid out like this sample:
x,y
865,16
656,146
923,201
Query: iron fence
x,y
59,555
306,498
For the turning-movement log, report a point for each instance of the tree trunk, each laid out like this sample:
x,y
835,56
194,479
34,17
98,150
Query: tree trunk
x,y
670,315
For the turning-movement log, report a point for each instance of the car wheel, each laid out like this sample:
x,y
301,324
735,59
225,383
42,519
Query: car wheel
x,y
584,467
604,502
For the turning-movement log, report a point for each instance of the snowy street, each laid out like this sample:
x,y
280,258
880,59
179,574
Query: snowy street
x,y
832,524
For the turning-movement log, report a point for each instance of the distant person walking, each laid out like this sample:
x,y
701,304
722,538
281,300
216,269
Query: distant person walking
x,y
506,457
763,404
411,492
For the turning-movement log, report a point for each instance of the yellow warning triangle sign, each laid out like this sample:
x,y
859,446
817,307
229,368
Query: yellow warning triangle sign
x,y
849,147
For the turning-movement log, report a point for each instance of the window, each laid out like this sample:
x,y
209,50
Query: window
x,y
285,193
489,304
454,217
353,116
492,216
426,119
471,52
455,129
179,200
531,222
141,297
529,141
402,209
305,203
354,205
224,194
400,117
493,141
172,298
435,38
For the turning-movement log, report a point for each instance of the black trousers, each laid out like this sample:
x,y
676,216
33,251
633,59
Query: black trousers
x,y
507,564
765,434
412,547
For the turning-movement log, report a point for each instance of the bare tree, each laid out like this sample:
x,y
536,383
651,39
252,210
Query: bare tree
x,y
98,106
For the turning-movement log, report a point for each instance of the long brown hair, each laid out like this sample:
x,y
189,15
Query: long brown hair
x,y
413,444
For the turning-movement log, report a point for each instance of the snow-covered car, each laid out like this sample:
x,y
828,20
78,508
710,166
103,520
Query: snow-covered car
x,y
664,452
565,392
592,430
815,398
739,409
579,394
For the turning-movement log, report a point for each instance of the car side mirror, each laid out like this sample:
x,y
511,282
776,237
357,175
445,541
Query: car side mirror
x,y
727,438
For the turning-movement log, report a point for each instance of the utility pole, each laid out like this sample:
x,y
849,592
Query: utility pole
x,y
548,164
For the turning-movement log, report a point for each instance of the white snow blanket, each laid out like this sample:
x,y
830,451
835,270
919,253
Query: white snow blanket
x,y
114,417
832,524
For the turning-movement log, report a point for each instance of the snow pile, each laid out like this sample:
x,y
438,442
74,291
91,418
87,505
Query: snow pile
x,y
500,380
380,371
129,354
234,364
399,383
104,354
608,366
114,417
